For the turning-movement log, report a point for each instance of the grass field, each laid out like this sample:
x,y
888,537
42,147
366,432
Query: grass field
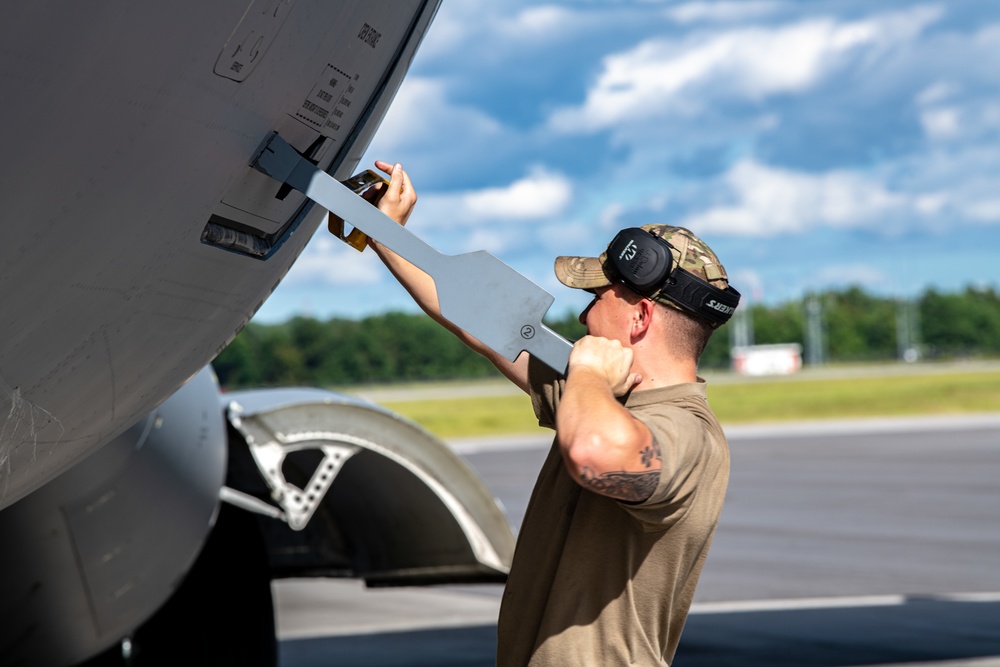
x,y
491,408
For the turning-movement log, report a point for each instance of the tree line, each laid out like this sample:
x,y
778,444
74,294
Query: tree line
x,y
849,325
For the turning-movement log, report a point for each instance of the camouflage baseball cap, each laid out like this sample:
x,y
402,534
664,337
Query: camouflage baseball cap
x,y
689,252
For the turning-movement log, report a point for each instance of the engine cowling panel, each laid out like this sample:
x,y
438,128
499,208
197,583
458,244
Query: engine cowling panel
x,y
399,508
92,554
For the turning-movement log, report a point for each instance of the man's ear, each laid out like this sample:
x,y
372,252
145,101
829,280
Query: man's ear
x,y
642,317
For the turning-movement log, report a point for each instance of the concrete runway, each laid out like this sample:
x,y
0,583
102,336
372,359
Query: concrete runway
x,y
849,543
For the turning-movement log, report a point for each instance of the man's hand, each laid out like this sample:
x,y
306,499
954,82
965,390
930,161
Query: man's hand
x,y
396,199
604,447
399,197
605,358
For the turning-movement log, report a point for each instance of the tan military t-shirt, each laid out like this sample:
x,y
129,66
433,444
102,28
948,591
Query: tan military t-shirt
x,y
600,582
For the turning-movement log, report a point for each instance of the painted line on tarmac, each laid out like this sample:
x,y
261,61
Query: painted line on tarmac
x,y
497,443
854,601
308,608
325,608
971,662
969,421
501,443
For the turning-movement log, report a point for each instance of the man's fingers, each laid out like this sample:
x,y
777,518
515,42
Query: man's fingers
x,y
609,358
396,181
405,185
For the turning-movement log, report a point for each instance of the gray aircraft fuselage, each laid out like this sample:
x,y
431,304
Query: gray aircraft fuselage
x,y
136,241
144,514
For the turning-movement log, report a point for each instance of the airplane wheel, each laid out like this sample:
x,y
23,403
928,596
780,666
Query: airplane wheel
x,y
222,614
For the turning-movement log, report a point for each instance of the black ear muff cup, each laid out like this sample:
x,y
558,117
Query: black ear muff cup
x,y
642,260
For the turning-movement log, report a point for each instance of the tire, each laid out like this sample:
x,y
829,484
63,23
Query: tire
x,y
221,616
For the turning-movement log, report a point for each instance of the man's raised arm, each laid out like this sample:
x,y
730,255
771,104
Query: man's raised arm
x,y
397,201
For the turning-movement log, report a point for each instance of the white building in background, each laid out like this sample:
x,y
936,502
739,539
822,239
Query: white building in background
x,y
782,359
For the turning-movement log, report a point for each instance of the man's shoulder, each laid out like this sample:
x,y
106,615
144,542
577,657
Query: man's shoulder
x,y
683,396
680,412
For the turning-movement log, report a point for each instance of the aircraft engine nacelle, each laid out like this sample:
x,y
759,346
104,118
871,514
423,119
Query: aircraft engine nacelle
x,y
161,547
92,554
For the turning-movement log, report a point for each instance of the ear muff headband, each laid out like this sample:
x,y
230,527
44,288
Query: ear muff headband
x,y
644,263
697,296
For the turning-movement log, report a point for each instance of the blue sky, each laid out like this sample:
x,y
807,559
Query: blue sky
x,y
813,144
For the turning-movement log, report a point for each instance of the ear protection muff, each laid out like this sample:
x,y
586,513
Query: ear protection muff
x,y
642,260
644,263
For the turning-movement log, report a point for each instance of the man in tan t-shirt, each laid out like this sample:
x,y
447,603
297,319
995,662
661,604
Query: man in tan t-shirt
x,y
624,508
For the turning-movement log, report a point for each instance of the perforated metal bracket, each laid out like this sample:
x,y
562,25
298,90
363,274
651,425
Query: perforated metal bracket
x,y
269,450
299,504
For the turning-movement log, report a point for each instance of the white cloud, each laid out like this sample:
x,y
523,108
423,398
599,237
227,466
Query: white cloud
x,y
329,261
955,185
455,24
661,75
940,123
541,194
534,22
691,12
931,203
983,210
988,36
493,241
770,201
495,219
497,31
421,114
937,92
609,217
852,274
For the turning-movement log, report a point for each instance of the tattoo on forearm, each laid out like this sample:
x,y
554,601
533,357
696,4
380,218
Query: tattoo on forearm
x,y
630,486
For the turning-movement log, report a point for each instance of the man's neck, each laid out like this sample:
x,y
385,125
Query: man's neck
x,y
665,373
